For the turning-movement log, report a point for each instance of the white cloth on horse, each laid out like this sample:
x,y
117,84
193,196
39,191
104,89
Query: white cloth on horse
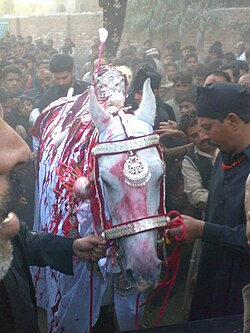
x,y
67,298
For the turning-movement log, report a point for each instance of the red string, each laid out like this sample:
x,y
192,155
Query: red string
x,y
91,299
175,264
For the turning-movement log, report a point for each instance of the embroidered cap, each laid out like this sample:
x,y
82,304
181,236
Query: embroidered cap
x,y
219,99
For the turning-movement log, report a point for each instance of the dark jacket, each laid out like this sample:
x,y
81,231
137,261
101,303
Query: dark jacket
x,y
225,260
17,296
55,92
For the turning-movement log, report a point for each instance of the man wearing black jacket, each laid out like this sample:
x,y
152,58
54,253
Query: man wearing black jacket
x,y
61,66
224,114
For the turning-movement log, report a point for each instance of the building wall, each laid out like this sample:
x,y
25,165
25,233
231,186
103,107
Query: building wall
x,y
82,29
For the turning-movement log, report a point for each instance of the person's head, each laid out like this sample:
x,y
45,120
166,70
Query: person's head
x,y
4,50
244,80
147,44
94,50
170,70
69,43
4,98
38,41
31,60
242,66
200,74
229,57
169,49
130,51
187,103
11,79
44,51
167,59
19,49
13,153
224,114
240,47
232,71
25,106
30,48
42,64
61,65
182,84
23,65
217,76
194,133
139,79
214,64
153,53
190,60
218,44
50,42
187,49
45,78
215,52
29,39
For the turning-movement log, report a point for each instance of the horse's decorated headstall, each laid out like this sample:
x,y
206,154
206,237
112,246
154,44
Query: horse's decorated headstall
x,y
136,173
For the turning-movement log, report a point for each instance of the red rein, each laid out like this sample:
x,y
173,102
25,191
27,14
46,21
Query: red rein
x,y
172,268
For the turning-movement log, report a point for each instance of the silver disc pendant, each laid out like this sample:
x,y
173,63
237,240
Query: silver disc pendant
x,y
136,171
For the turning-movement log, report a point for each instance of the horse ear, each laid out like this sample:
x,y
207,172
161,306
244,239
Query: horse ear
x,y
100,117
147,108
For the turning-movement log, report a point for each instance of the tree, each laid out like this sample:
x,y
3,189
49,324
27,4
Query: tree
x,y
6,7
162,16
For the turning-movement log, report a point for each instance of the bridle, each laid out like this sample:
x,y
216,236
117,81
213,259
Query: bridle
x,y
129,146
136,174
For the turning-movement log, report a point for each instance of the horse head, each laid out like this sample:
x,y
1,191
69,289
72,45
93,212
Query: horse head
x,y
130,175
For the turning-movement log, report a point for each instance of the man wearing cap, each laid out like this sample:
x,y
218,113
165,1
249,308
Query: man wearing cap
x,y
224,114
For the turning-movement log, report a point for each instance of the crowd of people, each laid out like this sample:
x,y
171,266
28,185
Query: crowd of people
x,y
202,117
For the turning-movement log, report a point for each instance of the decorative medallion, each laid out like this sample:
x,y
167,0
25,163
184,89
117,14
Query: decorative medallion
x,y
107,81
136,171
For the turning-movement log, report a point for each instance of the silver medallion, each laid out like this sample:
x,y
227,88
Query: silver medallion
x,y
136,171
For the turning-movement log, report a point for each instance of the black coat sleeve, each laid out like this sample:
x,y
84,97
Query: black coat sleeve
x,y
45,249
232,238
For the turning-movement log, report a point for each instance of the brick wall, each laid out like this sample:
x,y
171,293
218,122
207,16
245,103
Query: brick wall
x,y
82,28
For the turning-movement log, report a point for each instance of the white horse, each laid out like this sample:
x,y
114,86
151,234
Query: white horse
x,y
120,154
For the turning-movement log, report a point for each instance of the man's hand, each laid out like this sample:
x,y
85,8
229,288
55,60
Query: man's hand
x,y
9,227
21,131
194,229
90,247
168,129
34,155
